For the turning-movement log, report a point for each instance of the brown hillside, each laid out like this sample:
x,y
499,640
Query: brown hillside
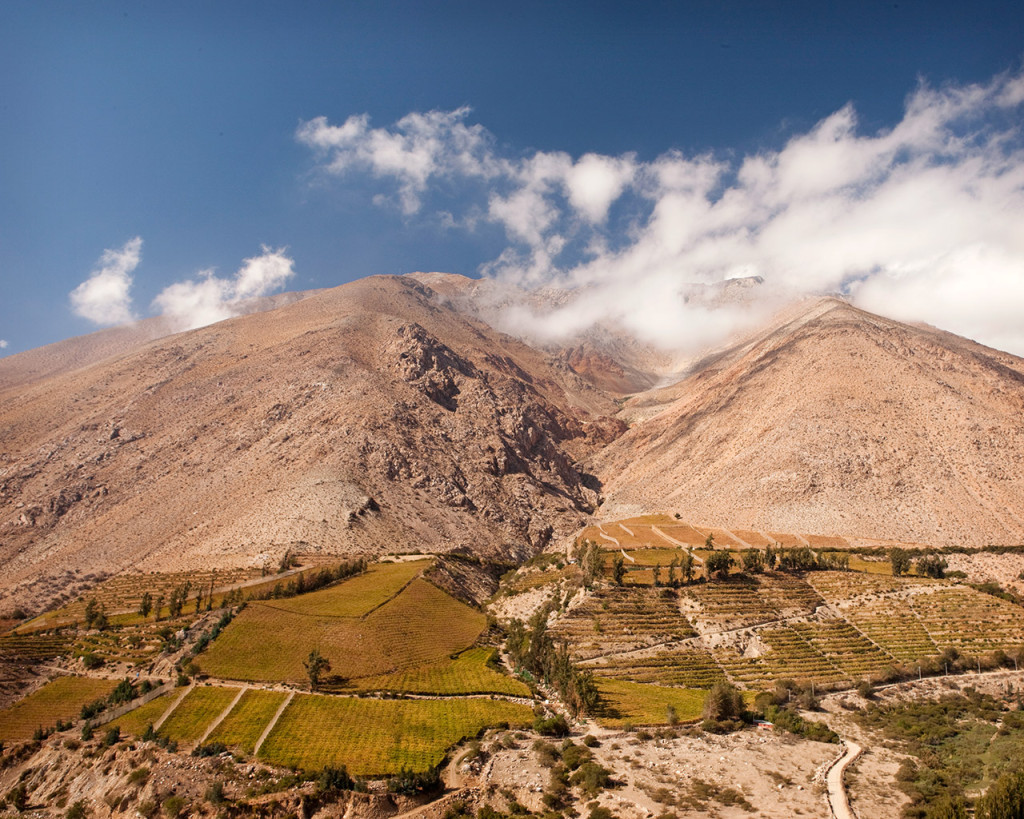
x,y
371,417
835,421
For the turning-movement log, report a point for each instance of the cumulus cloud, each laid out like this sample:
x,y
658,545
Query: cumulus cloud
x,y
105,297
197,302
3,343
922,220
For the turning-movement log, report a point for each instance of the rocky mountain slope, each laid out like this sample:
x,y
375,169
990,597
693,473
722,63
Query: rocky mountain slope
x,y
372,417
834,420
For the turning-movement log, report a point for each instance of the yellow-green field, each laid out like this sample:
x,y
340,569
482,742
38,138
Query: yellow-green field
x,y
358,595
135,722
61,699
469,673
627,702
421,625
379,737
242,727
196,713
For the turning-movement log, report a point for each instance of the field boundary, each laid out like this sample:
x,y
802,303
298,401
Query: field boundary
x,y
223,714
174,706
272,723
116,713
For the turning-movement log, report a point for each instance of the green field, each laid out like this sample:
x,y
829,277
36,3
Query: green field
x,y
469,673
135,722
627,702
358,595
243,726
268,642
61,699
380,737
194,714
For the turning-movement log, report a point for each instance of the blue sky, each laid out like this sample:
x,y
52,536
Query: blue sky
x,y
187,150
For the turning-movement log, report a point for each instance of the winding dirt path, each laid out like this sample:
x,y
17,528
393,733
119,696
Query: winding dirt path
x,y
837,799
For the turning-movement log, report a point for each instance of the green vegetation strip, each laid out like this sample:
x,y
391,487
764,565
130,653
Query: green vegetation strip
x,y
61,699
626,702
380,737
242,727
195,713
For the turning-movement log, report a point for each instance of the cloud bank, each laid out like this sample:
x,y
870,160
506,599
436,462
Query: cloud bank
x,y
105,297
923,220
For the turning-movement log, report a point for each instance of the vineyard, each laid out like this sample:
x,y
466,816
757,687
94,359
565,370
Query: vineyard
x,y
624,703
194,714
472,672
61,699
244,725
420,625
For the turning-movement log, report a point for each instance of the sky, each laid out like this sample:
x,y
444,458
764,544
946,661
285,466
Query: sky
x,y
180,158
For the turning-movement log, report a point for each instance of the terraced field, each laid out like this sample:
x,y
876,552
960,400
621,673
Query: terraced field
x,y
620,619
681,667
844,646
747,601
135,722
29,649
968,620
894,626
61,699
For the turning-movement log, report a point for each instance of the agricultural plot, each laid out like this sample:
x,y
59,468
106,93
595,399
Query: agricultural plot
x,y
137,721
61,699
722,538
892,624
684,533
968,620
826,542
422,625
380,737
244,725
748,601
628,702
620,619
844,646
683,667
358,595
785,655
755,540
472,672
194,714
29,649
786,539
839,588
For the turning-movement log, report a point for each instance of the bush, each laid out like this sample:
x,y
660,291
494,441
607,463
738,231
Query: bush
x,y
591,777
555,726
174,806
724,702
77,811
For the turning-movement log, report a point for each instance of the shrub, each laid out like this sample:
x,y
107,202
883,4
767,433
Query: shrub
x,y
77,811
555,726
591,777
174,806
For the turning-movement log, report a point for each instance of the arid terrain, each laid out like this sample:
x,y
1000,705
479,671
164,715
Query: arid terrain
x,y
366,552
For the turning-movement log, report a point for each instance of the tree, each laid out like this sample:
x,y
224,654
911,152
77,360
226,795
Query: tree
x,y
92,609
753,561
723,702
1004,799
900,560
618,569
158,606
146,605
656,574
709,543
673,578
316,666
718,563
686,566
931,566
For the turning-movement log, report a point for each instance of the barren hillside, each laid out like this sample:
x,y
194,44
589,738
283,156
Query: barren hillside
x,y
835,421
371,417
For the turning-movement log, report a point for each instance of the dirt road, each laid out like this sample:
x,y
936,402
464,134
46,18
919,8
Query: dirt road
x,y
836,790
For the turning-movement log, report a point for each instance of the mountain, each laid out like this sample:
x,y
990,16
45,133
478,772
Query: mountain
x,y
368,418
834,421
387,415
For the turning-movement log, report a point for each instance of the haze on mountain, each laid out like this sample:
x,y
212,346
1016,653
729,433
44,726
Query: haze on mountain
x,y
387,415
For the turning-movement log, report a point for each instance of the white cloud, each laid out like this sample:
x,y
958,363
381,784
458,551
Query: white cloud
x,y
3,343
105,297
206,299
923,220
